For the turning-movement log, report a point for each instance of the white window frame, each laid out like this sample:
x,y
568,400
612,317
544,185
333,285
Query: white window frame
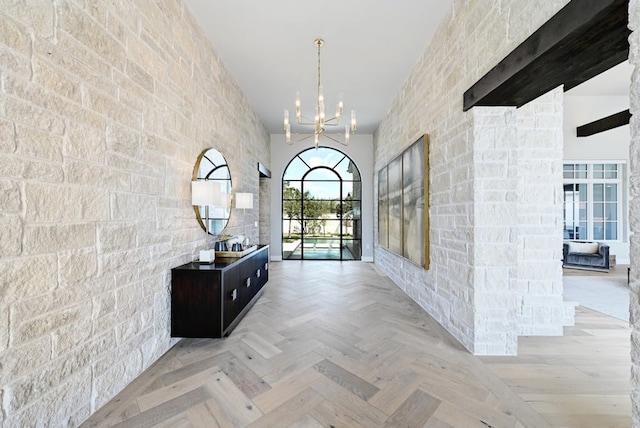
x,y
589,181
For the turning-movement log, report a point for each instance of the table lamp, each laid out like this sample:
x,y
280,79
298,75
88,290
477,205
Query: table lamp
x,y
205,193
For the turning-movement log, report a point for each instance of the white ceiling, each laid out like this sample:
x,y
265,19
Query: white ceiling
x,y
614,82
370,48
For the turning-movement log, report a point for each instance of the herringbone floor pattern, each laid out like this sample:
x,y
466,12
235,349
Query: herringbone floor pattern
x,y
335,344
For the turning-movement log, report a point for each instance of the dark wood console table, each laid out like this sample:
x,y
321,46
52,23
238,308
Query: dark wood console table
x,y
209,300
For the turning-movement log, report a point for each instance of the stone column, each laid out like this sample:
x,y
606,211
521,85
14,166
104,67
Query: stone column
x,y
539,219
517,218
634,206
495,230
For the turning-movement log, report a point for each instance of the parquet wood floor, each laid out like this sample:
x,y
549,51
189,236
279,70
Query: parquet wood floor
x,y
335,344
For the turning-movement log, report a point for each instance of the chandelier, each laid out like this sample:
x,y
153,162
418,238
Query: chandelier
x,y
320,122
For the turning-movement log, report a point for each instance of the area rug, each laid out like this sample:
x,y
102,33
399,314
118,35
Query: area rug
x,y
609,296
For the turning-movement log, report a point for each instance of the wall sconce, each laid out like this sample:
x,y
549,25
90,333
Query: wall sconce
x,y
244,201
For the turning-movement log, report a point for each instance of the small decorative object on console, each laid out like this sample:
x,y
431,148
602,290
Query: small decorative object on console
x,y
207,256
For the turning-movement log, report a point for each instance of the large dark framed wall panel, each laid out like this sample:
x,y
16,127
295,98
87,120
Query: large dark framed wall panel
x,y
403,204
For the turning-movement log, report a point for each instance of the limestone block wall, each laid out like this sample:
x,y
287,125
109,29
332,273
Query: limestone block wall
x,y
634,206
104,107
517,215
474,38
539,234
495,219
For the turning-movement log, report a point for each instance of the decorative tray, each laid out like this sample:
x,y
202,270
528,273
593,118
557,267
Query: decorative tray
x,y
236,254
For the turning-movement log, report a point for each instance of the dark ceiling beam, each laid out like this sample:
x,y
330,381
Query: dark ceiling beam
x,y
604,124
582,40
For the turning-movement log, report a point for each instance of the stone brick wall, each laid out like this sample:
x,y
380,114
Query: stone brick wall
x,y
539,234
474,38
495,220
634,206
104,107
517,215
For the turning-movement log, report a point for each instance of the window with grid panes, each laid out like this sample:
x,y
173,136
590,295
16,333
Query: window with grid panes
x,y
592,201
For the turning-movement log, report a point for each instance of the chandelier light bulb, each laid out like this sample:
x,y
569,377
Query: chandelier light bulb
x,y
286,119
353,121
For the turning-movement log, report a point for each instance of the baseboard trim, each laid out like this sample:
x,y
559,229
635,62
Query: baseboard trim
x,y
363,259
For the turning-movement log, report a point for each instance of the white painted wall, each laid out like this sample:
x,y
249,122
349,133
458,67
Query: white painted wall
x,y
608,145
612,145
360,150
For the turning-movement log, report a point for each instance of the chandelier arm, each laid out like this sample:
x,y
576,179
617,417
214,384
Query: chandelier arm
x,y
309,121
332,133
304,133
301,139
334,139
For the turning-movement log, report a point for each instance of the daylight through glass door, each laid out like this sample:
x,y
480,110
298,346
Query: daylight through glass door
x,y
321,207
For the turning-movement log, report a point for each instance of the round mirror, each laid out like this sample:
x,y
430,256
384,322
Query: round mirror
x,y
212,167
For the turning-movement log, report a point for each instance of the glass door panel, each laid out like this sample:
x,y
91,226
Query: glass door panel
x,y
321,207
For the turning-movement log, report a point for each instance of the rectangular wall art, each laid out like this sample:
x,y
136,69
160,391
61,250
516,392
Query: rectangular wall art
x,y
403,204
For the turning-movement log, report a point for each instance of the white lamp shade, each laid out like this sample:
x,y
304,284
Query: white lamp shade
x,y
244,200
204,192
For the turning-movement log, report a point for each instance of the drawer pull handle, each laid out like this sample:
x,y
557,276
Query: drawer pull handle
x,y
258,273
234,294
266,266
248,282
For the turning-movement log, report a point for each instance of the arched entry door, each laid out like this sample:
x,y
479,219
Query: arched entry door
x,y
321,207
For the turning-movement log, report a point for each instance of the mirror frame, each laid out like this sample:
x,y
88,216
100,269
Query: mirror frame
x,y
196,176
